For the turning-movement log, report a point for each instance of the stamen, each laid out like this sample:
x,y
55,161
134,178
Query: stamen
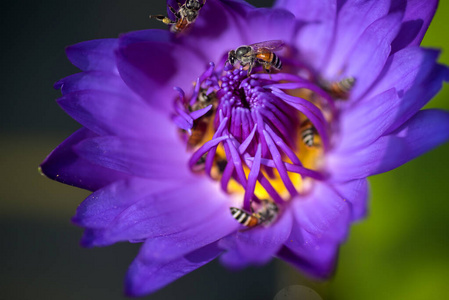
x,y
253,144
252,179
279,164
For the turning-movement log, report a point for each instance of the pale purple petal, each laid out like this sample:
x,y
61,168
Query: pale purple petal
x,y
323,213
158,158
357,193
146,277
370,53
183,207
423,132
353,19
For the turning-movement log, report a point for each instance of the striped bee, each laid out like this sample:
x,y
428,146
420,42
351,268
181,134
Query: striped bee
x,y
338,89
265,215
308,133
185,15
261,53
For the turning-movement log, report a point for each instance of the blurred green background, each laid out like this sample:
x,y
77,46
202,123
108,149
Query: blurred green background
x,y
399,252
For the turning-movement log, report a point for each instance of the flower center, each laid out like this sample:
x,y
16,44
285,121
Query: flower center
x,y
262,136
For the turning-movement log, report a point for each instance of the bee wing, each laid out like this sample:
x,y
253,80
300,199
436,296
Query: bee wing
x,y
270,45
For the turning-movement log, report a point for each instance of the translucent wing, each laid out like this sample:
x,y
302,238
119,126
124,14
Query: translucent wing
x,y
270,45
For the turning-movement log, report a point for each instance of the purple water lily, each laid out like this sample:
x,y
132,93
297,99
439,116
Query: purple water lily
x,y
182,150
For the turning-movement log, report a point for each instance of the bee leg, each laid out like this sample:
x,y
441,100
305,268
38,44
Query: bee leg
x,y
163,19
267,69
250,69
251,65
176,13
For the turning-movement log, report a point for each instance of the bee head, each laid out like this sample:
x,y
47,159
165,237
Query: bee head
x,y
241,51
231,57
193,5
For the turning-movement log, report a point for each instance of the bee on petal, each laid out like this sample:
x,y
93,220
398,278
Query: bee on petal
x,y
261,53
338,89
265,215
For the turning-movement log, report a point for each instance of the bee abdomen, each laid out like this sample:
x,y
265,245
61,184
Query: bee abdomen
x,y
307,136
243,217
276,62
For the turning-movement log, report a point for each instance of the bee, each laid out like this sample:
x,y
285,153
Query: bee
x,y
339,89
265,215
184,16
308,133
261,53
201,125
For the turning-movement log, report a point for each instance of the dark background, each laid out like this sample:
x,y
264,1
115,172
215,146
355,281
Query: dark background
x,y
399,252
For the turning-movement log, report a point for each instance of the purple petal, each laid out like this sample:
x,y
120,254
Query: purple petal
x,y
256,246
104,205
65,166
270,24
373,117
110,113
317,258
323,213
183,208
425,131
417,17
222,22
405,69
94,55
206,229
370,53
147,277
318,19
357,193
353,19
152,68
94,80
155,158
416,77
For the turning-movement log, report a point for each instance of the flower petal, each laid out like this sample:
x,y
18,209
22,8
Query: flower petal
x,y
145,277
317,20
110,113
425,131
65,166
323,213
370,53
152,68
418,15
173,211
101,208
256,246
357,193
270,24
155,158
94,55
224,23
206,229
94,80
316,258
367,121
353,19
405,69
